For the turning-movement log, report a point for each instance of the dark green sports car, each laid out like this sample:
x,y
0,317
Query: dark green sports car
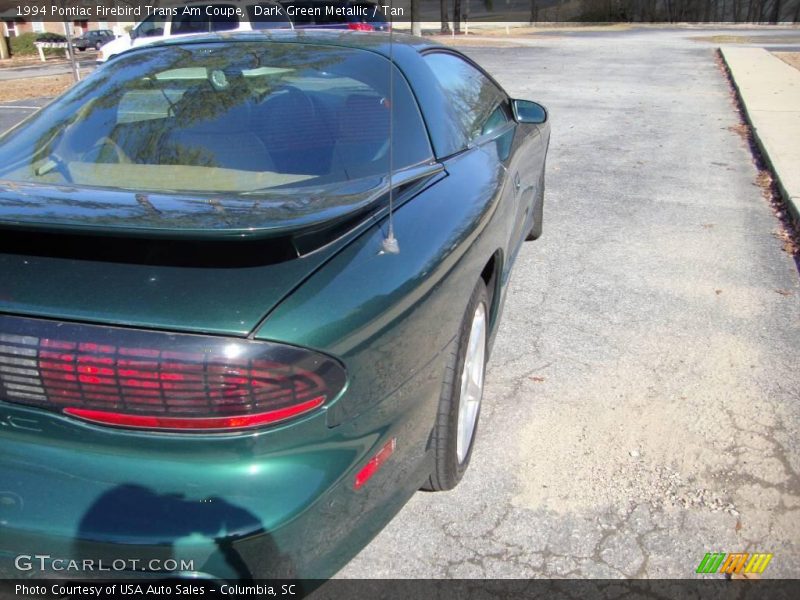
x,y
248,287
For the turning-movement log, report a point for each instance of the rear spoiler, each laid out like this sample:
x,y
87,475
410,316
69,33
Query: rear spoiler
x,y
64,210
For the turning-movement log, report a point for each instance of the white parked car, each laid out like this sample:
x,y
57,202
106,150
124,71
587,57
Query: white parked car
x,y
205,17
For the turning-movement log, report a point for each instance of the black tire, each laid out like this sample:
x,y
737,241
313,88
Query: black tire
x,y
447,470
538,213
82,49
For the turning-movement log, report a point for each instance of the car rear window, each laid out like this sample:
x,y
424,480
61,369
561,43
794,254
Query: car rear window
x,y
233,116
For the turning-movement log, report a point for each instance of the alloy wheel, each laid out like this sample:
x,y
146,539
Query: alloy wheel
x,y
471,383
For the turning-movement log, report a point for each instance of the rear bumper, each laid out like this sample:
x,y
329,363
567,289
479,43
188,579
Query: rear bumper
x,y
224,507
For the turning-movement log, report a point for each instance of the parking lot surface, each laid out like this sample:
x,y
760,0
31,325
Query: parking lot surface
x,y
643,398
12,113
86,63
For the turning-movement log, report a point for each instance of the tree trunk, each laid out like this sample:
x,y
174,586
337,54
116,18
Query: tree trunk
x,y
776,12
445,16
750,12
416,25
761,6
457,16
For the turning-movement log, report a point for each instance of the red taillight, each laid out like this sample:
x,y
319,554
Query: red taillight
x,y
205,423
360,27
156,380
374,464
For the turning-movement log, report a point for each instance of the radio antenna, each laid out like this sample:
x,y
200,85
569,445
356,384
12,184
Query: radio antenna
x,y
390,244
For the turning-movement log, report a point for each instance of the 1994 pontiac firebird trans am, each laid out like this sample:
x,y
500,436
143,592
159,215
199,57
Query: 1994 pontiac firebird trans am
x,y
208,350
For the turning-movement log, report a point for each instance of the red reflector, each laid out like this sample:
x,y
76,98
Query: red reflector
x,y
375,463
215,423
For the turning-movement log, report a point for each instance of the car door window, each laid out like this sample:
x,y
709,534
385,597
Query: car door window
x,y
191,22
151,26
198,21
224,20
481,107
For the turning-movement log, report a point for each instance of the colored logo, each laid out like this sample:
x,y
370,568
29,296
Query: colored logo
x,y
737,562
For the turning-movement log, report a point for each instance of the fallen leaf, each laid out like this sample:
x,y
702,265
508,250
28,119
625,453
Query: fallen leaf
x,y
537,379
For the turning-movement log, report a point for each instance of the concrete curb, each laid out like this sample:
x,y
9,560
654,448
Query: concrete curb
x,y
769,92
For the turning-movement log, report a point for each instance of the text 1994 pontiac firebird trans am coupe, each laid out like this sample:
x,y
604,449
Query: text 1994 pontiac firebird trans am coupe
x,y
228,336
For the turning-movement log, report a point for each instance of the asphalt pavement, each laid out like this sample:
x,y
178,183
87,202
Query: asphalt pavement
x,y
642,401
641,406
12,113
51,67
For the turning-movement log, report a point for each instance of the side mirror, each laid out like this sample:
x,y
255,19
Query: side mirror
x,y
133,33
527,111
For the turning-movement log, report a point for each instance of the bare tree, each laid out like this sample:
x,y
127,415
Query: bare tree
x,y
776,12
534,11
739,11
